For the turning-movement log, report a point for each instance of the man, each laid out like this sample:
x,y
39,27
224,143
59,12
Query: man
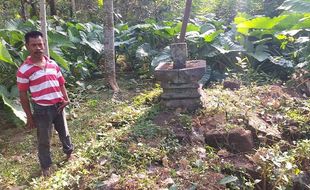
x,y
43,78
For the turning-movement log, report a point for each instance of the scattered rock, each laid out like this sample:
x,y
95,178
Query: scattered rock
x,y
168,182
259,126
102,161
237,139
231,84
108,184
19,187
242,163
217,120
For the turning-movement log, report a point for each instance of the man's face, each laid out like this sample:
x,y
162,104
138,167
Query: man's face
x,y
35,46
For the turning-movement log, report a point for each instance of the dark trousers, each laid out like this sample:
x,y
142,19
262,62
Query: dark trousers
x,y
44,118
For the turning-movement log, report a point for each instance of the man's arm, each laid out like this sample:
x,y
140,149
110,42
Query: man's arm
x,y
66,98
26,107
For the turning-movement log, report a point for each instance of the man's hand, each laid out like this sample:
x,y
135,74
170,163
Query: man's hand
x,y
30,123
62,106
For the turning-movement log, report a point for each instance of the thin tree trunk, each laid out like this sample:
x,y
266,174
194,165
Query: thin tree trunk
x,y
52,4
109,50
43,24
187,12
34,10
22,10
73,8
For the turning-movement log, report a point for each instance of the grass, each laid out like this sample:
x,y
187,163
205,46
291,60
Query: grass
x,y
118,144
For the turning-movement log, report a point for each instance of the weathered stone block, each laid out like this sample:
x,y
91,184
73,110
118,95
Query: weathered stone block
x,y
179,55
178,93
185,104
237,139
180,86
191,86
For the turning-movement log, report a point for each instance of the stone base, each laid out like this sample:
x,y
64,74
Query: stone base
x,y
180,85
180,93
184,104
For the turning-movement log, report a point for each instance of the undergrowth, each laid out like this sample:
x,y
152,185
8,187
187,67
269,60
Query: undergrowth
x,y
118,144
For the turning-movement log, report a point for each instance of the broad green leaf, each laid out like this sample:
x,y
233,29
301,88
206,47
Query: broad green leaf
x,y
94,43
190,27
14,113
12,36
159,59
59,60
289,22
287,32
4,54
170,31
122,27
74,35
212,36
207,27
261,33
126,42
225,45
145,50
303,23
178,27
14,92
261,53
164,56
228,179
281,61
301,6
58,39
241,17
140,26
259,23
80,26
4,91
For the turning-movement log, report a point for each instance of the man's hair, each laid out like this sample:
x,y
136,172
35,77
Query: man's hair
x,y
32,34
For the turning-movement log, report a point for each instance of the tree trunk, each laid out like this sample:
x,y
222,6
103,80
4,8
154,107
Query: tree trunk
x,y
109,50
73,8
22,10
34,9
43,24
52,4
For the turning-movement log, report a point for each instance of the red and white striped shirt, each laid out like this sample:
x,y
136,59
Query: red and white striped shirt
x,y
44,83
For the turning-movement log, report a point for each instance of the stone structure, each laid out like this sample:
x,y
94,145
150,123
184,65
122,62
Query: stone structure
x,y
180,86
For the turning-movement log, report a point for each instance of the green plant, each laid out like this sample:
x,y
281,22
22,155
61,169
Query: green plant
x,y
277,167
186,121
